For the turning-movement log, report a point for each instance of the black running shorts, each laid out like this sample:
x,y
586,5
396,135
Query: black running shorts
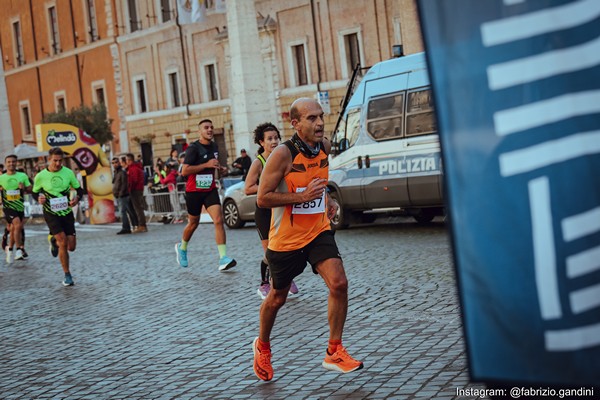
x,y
58,224
262,218
286,265
11,214
195,200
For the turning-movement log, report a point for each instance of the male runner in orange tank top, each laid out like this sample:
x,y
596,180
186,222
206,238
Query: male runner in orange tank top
x,y
293,183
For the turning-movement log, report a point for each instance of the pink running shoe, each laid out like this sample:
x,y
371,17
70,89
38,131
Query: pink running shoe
x,y
263,290
293,288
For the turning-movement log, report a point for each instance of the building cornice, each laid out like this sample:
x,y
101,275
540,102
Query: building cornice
x,y
63,55
178,111
298,90
143,33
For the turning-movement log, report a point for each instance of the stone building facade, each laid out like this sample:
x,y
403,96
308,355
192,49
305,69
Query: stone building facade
x,y
56,55
240,65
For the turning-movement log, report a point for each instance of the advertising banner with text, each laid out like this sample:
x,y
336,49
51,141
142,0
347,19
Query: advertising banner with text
x,y
91,160
517,90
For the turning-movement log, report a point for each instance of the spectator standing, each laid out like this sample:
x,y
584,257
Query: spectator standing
x,y
172,161
135,178
242,164
169,178
169,182
78,208
133,221
121,193
180,182
159,172
180,177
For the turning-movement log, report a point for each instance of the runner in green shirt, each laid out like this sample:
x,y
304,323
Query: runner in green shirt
x,y
51,188
13,184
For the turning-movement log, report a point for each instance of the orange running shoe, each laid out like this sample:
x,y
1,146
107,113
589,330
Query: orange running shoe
x,y
341,361
262,363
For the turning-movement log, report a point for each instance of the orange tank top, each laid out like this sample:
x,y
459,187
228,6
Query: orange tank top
x,y
295,225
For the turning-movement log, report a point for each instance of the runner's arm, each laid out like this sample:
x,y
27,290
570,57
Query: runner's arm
x,y
251,186
37,187
190,167
78,197
79,191
279,165
332,206
195,169
26,185
77,186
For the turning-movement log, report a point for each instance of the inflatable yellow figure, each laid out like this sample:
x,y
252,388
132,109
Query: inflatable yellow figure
x,y
91,160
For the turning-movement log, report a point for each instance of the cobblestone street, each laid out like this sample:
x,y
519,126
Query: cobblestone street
x,y
136,325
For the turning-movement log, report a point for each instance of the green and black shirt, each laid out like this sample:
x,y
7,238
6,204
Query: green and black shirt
x,y
56,186
12,195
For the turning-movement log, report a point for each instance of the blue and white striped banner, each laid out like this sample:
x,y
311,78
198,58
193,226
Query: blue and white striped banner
x,y
517,91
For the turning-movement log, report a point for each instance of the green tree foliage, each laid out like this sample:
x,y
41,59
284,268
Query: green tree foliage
x,y
92,120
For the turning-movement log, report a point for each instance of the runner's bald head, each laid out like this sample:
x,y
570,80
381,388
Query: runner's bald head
x,y
297,105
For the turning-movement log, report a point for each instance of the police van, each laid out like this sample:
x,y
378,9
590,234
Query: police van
x,y
385,148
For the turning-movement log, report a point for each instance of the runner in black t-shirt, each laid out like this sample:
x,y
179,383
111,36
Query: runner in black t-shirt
x,y
199,169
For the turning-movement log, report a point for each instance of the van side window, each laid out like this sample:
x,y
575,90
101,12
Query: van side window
x,y
348,131
420,119
353,126
384,117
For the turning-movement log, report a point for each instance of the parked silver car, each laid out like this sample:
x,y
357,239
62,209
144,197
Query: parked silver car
x,y
238,208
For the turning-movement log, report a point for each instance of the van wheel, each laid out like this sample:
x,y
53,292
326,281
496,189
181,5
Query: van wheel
x,y
424,216
341,217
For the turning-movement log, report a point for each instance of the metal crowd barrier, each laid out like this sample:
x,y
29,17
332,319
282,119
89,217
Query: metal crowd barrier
x,y
166,203
32,208
180,200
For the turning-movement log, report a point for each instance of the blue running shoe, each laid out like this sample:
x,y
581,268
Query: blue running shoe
x,y
181,255
226,263
68,280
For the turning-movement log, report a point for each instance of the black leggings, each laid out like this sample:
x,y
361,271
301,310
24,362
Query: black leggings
x,y
262,218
